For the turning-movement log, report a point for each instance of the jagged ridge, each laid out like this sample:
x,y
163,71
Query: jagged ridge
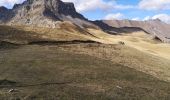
x,y
42,13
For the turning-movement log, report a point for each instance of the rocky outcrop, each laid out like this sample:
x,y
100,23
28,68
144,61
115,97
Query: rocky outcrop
x,y
61,9
5,14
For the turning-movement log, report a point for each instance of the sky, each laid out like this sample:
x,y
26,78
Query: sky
x,y
116,9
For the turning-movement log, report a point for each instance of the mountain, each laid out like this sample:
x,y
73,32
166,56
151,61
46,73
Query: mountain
x,y
43,20
156,28
115,30
42,13
5,14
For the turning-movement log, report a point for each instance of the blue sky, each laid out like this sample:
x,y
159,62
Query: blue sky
x,y
135,12
117,9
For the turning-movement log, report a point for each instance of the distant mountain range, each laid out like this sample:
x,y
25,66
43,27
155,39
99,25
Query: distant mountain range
x,y
156,28
48,13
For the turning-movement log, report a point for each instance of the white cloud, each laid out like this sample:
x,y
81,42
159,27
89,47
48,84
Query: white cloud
x,y
88,5
163,17
9,3
136,18
154,4
81,5
147,18
114,16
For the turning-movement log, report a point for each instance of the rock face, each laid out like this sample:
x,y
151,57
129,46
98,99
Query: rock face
x,y
42,13
155,27
60,9
5,14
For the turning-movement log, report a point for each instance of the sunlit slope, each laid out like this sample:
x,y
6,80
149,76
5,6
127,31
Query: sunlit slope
x,y
69,32
76,71
154,57
65,31
139,40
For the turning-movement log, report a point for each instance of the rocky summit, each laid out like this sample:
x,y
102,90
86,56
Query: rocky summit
x,y
42,13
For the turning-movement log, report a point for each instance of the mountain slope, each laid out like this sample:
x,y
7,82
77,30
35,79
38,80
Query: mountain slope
x,y
156,28
80,71
27,34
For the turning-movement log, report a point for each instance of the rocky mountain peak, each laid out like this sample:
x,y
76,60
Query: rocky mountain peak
x,y
60,9
39,12
3,9
5,14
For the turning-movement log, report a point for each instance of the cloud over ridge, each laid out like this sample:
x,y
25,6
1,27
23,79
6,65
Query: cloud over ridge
x,y
154,4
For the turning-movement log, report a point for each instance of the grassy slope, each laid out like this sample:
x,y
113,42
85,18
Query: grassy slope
x,y
52,72
82,71
14,35
142,42
26,34
139,40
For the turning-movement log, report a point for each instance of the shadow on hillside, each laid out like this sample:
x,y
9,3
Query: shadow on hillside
x,y
116,31
8,45
61,42
11,84
7,83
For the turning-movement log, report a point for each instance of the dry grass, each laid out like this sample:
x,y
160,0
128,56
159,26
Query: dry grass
x,y
65,31
136,70
26,34
147,63
76,71
138,40
150,48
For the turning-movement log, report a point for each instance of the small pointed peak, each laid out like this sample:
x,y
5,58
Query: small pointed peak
x,y
154,20
157,19
16,6
3,8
